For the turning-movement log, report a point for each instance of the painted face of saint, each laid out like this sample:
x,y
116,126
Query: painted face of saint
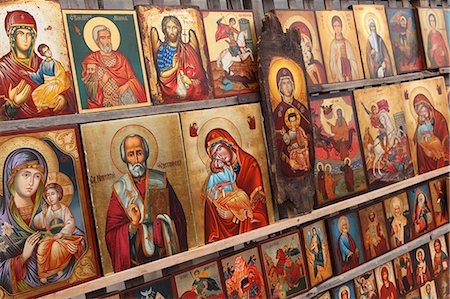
x,y
47,52
344,294
223,153
287,87
420,256
172,31
52,196
24,39
337,28
344,226
432,20
135,156
104,41
397,210
26,181
423,114
437,246
306,50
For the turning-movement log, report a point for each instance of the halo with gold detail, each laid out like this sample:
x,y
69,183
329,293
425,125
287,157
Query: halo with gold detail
x,y
415,91
366,23
297,120
90,25
215,123
66,184
432,12
27,142
340,220
299,80
317,166
123,132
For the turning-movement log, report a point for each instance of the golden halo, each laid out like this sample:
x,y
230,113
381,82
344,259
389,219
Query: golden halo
x,y
349,161
295,19
396,201
28,142
215,123
366,23
299,80
66,184
340,220
319,164
328,166
286,117
417,254
123,132
90,25
415,91
347,113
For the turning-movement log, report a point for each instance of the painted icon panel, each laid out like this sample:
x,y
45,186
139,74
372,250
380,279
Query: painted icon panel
x,y
443,285
406,45
421,265
429,290
201,281
346,290
439,199
175,51
139,189
228,171
421,209
318,256
339,46
109,71
47,237
231,41
383,128
427,115
398,219
374,41
366,286
243,275
161,288
439,255
404,273
339,166
305,22
35,77
385,278
373,226
284,265
346,242
434,37
447,22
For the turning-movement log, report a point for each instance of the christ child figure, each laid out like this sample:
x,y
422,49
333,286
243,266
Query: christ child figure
x,y
222,188
429,142
52,80
58,245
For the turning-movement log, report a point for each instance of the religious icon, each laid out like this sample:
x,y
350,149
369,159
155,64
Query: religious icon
x,y
35,79
447,22
287,118
383,128
47,238
346,242
284,265
373,226
421,265
139,190
439,255
305,22
339,45
318,256
421,209
161,288
374,40
428,291
385,278
231,41
434,37
404,273
415,294
243,275
109,73
443,285
174,47
202,281
439,199
404,31
427,115
365,286
345,291
398,219
228,172
339,169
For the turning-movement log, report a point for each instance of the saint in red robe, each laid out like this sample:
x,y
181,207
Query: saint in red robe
x,y
249,179
388,291
121,73
437,50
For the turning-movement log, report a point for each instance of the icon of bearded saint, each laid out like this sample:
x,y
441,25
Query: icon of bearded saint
x,y
16,85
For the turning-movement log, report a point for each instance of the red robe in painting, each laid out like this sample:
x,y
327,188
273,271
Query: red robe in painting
x,y
190,63
249,178
388,292
117,235
440,130
437,50
122,73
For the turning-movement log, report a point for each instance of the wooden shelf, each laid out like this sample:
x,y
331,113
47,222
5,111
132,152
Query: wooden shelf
x,y
372,264
22,124
320,88
242,238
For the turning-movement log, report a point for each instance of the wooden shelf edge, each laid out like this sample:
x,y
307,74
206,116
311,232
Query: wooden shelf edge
x,y
240,239
80,118
372,264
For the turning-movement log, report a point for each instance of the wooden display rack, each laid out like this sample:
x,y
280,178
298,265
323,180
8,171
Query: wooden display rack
x,y
258,7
